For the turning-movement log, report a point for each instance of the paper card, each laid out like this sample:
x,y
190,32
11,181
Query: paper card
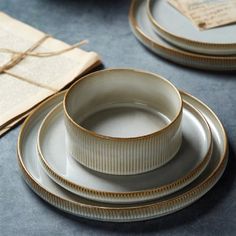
x,y
206,14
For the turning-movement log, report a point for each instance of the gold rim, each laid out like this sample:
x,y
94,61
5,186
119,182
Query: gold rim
x,y
63,203
76,125
195,43
162,191
214,60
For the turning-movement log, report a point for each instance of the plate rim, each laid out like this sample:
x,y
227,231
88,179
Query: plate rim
x,y
165,33
129,196
227,62
123,214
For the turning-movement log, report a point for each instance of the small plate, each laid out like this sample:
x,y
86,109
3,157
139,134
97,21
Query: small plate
x,y
215,41
55,195
187,165
142,28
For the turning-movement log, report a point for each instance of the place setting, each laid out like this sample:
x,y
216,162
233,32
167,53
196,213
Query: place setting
x,y
198,34
122,145
116,125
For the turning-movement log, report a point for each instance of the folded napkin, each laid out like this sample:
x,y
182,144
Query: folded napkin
x,y
34,66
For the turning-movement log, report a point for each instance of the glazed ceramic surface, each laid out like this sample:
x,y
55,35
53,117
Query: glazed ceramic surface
x,y
41,184
215,41
123,121
143,30
190,161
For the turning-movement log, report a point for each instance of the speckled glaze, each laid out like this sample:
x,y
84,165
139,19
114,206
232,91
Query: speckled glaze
x,y
122,88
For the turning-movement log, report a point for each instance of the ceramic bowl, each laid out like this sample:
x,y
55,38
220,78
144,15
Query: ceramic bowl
x,y
123,121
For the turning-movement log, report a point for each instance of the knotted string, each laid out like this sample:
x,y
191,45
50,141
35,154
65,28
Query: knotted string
x,y
18,56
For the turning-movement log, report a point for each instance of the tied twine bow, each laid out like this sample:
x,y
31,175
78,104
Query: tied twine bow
x,y
18,56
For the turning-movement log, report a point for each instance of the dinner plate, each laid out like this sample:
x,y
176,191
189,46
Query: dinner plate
x,y
55,195
188,164
216,41
142,29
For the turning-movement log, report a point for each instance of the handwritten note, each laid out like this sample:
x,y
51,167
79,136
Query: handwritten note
x,y
206,14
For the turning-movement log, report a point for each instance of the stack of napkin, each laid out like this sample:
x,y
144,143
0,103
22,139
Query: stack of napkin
x,y
34,66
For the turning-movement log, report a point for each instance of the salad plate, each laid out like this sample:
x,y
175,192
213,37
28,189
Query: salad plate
x,y
143,30
187,165
215,41
55,195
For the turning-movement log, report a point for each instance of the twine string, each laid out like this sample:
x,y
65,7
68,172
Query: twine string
x,y
18,56
44,54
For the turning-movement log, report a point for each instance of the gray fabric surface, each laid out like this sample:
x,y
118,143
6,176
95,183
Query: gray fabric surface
x,y
105,24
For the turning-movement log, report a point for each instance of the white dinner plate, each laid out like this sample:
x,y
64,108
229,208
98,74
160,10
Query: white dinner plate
x,y
55,195
216,41
187,165
143,30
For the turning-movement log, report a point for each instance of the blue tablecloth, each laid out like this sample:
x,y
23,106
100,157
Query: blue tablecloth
x,y
105,24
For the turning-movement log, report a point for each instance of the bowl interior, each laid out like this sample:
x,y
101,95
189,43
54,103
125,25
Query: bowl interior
x,y
123,103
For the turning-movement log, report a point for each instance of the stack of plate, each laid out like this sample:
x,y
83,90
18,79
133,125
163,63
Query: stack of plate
x,y
168,33
122,145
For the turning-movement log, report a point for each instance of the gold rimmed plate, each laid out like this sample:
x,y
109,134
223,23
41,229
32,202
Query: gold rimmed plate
x,y
143,30
186,166
48,190
216,41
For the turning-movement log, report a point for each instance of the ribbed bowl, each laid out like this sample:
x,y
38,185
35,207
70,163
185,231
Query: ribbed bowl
x,y
123,121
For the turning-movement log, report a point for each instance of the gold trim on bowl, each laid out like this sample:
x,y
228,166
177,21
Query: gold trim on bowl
x,y
161,145
178,115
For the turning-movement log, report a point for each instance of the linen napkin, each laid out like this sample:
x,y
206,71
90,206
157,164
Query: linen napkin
x,y
34,66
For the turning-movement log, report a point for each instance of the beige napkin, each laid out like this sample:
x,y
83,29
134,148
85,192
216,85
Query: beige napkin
x,y
34,78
